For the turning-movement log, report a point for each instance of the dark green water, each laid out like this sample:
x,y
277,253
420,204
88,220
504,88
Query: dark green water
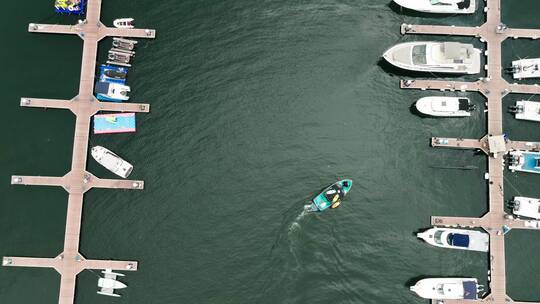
x,y
255,106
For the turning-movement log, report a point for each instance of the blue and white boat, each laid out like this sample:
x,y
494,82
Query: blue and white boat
x,y
447,288
110,91
113,74
331,196
524,161
456,238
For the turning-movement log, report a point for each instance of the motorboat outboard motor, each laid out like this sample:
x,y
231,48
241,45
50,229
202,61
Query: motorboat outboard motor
x,y
516,109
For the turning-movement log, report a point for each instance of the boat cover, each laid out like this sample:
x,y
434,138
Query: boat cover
x,y
459,240
102,87
463,104
470,291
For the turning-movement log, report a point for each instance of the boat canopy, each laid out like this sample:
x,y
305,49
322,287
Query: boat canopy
x,y
102,87
470,290
459,240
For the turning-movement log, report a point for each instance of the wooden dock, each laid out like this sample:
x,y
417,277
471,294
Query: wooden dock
x,y
76,182
493,32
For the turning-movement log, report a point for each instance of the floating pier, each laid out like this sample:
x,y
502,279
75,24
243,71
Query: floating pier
x,y
76,182
494,88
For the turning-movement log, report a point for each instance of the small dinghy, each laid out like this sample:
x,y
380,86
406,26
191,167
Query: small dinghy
x,y
124,23
434,56
330,197
526,68
441,106
524,161
456,238
526,207
111,161
526,110
112,91
119,58
447,288
440,6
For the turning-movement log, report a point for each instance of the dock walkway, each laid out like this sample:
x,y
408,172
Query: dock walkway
x,y
76,182
493,32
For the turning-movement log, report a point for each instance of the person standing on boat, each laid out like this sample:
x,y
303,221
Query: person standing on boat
x,y
335,194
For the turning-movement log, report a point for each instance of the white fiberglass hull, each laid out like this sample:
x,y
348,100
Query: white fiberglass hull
x,y
124,23
526,207
442,237
526,68
432,57
446,288
528,110
441,106
111,161
425,6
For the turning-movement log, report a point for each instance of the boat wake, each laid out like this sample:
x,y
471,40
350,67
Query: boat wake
x,y
295,225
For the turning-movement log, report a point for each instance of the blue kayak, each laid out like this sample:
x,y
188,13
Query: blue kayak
x,y
331,196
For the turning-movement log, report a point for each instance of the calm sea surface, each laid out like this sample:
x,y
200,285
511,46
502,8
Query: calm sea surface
x,y
256,105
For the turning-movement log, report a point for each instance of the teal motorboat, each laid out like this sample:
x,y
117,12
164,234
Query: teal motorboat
x,y
331,196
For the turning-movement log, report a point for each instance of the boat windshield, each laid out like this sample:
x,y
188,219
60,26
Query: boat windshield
x,y
419,54
437,237
458,240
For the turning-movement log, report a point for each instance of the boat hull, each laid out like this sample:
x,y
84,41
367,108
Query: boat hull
x,y
526,68
402,56
111,161
440,106
321,203
439,237
447,288
425,7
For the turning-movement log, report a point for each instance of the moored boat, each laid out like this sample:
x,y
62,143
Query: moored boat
x,y
440,6
111,73
442,106
525,161
75,7
110,91
124,23
526,110
447,288
456,238
331,196
433,56
111,161
526,68
526,207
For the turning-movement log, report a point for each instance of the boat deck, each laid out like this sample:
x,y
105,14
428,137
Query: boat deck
x,y
494,88
76,182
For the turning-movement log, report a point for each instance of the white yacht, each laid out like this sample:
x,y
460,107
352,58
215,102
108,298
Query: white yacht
x,y
433,56
456,238
526,207
442,106
440,6
111,161
526,110
447,288
526,68
109,283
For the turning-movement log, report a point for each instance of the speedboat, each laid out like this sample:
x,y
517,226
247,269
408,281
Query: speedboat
x,y
331,196
111,91
526,110
109,283
447,288
525,161
445,106
526,207
440,6
526,68
456,238
124,23
433,56
111,161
